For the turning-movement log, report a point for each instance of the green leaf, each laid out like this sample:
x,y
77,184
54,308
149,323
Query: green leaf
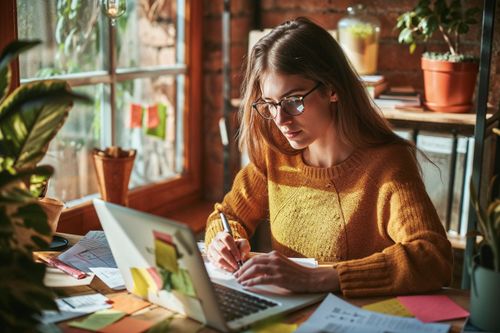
x,y
34,217
5,77
14,49
7,178
31,116
413,46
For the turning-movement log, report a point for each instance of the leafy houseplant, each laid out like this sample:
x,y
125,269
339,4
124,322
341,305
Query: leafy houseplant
x,y
30,117
450,77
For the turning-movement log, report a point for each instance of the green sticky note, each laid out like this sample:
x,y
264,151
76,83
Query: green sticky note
x,y
140,283
166,256
157,121
181,281
98,320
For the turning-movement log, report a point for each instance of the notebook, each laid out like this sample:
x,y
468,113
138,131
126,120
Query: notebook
x,y
160,261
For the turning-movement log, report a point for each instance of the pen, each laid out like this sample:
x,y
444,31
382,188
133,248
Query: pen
x,y
54,262
227,229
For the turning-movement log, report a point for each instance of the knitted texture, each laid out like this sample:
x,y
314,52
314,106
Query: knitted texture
x,y
370,215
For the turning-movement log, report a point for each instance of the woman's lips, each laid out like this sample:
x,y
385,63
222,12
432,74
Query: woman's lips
x,y
291,134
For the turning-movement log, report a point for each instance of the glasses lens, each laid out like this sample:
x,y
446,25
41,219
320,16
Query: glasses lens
x,y
293,106
264,110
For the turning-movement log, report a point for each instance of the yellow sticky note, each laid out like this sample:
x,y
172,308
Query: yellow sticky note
x,y
166,256
274,328
391,306
182,282
140,283
98,320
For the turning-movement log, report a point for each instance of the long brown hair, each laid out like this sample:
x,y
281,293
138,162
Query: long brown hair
x,y
302,47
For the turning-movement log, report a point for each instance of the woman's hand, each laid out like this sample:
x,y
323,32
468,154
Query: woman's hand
x,y
225,252
276,269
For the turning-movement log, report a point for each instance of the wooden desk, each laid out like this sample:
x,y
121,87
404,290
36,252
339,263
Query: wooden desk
x,y
180,323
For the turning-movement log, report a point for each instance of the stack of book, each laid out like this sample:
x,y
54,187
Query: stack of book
x,y
398,97
374,84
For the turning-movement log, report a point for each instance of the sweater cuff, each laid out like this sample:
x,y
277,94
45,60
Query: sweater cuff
x,y
368,276
215,226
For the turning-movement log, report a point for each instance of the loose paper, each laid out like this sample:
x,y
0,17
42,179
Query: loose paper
x,y
391,306
336,315
135,116
98,320
55,278
110,276
128,325
181,281
128,303
88,304
91,251
85,300
166,256
430,308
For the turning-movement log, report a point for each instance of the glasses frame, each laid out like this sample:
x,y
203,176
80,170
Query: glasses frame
x,y
300,98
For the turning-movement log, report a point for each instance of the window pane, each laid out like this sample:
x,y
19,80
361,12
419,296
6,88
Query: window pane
x,y
72,35
147,120
149,36
70,153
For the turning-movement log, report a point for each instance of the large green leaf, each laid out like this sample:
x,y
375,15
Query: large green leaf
x,y
5,77
31,116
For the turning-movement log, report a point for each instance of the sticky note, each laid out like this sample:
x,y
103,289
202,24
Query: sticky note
x,y
140,283
166,256
153,117
155,277
128,303
135,116
274,328
98,320
391,306
167,238
181,281
431,308
128,325
159,131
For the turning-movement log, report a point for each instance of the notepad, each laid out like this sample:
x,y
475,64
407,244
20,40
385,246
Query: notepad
x,y
431,308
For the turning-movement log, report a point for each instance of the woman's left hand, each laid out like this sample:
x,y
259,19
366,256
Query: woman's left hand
x,y
276,269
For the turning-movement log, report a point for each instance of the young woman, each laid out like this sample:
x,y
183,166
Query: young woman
x,y
332,178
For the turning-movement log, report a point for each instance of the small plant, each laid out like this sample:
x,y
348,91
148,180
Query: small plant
x,y
430,16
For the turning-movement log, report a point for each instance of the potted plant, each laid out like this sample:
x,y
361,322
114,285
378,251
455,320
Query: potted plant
x,y
30,117
485,267
450,77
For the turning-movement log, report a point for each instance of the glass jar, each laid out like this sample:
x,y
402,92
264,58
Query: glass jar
x,y
358,36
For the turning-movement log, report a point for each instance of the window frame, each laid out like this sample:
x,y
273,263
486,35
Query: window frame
x,y
162,197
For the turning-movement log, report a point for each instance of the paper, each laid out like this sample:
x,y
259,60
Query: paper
x,y
140,283
391,306
128,303
88,304
181,281
110,276
336,315
158,122
430,308
128,325
98,320
91,251
135,116
55,278
166,256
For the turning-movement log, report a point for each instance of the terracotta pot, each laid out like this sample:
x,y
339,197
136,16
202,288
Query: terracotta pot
x,y
53,208
449,86
113,175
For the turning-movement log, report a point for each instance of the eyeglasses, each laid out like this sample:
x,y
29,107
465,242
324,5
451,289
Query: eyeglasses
x,y
292,105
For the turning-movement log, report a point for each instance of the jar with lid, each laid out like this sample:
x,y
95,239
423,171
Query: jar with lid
x,y
358,35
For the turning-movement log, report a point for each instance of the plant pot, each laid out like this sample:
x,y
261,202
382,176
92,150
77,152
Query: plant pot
x,y
53,208
113,175
484,298
449,86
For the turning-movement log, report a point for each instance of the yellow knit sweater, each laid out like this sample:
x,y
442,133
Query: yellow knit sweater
x,y
369,214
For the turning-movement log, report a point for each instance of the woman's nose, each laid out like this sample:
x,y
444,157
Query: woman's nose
x,y
281,116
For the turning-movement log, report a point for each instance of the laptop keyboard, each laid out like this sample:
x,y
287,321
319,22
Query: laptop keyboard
x,y
235,304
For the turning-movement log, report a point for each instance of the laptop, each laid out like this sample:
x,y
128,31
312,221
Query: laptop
x,y
160,261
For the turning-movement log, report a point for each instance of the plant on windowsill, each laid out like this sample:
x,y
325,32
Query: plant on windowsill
x,y
449,78
485,267
30,117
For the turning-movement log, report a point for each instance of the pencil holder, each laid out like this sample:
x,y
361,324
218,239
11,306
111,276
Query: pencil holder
x,y
113,168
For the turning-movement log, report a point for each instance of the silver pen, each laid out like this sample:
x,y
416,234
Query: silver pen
x,y
227,229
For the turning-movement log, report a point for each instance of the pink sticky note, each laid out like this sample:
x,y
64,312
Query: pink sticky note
x,y
430,308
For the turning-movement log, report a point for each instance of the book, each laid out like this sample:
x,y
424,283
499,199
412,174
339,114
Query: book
x,y
374,90
372,79
397,103
399,95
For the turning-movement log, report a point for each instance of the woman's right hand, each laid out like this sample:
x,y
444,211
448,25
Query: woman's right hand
x,y
224,251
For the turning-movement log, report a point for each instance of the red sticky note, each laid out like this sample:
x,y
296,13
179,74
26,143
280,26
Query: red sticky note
x,y
153,118
128,325
431,308
135,116
167,238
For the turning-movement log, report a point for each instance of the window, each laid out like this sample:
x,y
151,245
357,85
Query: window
x,y
145,62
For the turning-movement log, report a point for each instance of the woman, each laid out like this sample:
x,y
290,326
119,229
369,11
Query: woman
x,y
332,178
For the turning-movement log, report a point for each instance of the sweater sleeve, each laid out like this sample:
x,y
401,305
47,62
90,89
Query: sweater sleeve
x,y
244,206
420,259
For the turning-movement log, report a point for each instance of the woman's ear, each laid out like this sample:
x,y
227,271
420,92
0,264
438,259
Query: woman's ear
x,y
333,97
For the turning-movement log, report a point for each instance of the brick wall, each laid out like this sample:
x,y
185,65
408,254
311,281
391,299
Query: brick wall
x,y
394,60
